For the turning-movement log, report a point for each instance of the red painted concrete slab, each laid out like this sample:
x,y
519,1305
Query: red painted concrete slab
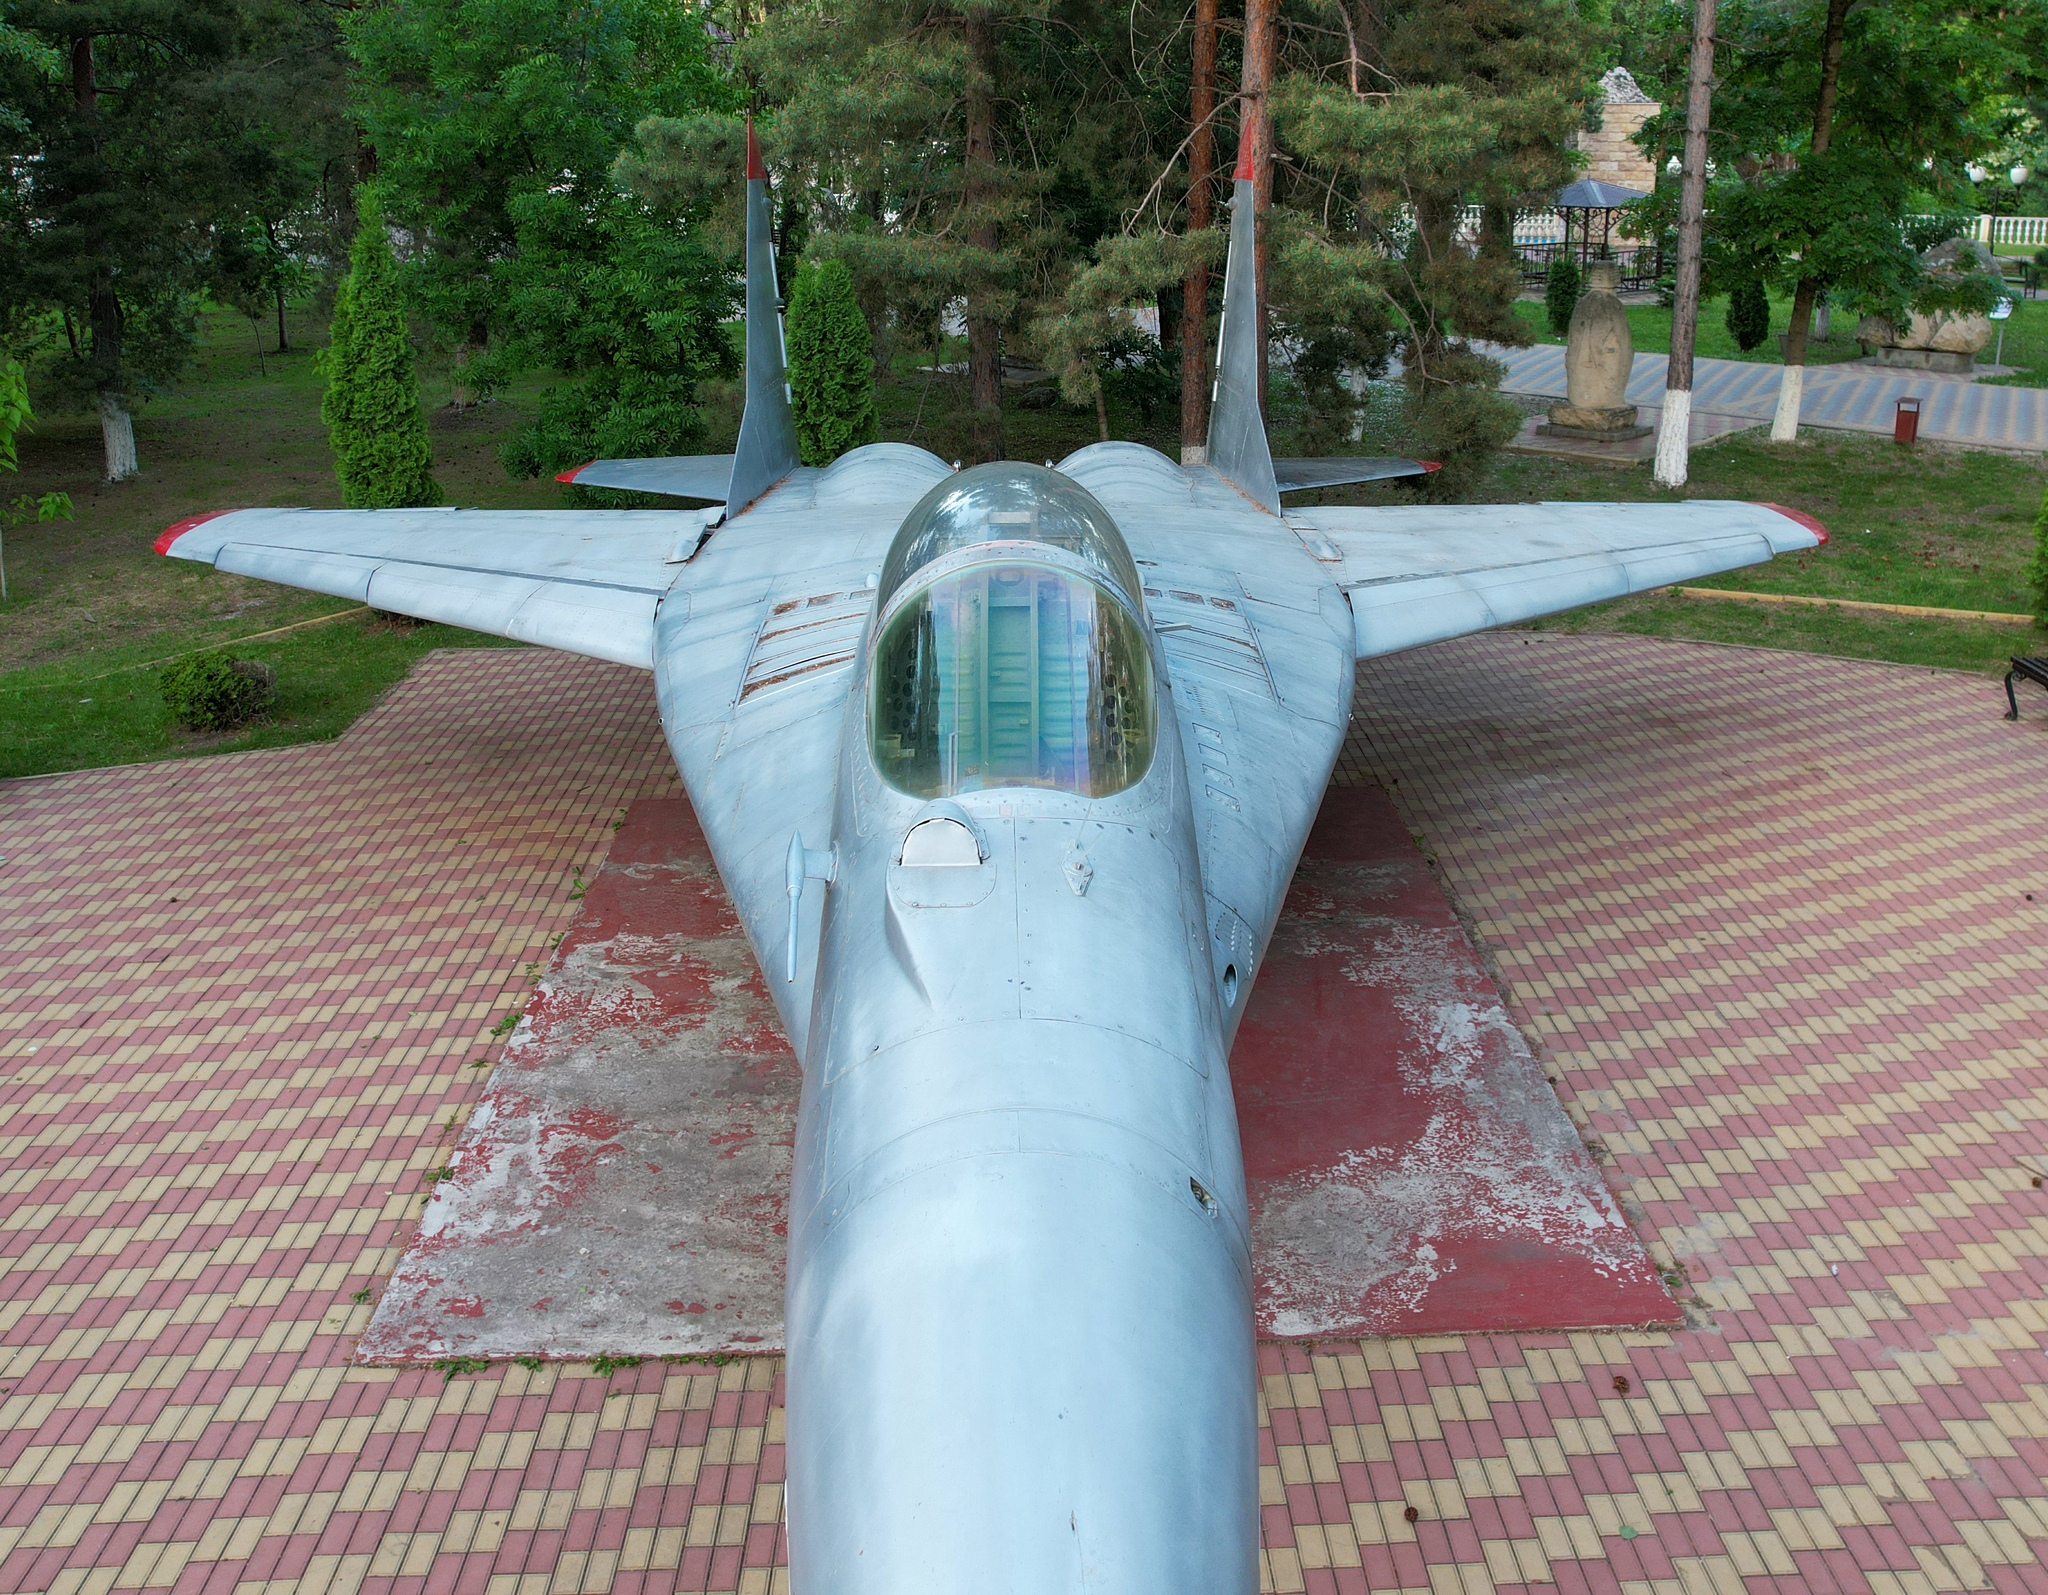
x,y
1411,1170
622,1187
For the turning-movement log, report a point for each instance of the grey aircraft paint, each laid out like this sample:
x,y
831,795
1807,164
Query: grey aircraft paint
x,y
1019,1314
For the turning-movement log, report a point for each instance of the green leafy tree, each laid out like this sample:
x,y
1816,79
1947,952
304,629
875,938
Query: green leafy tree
x,y
831,364
496,124
283,158
107,224
14,415
1833,123
1749,313
24,58
372,404
1561,290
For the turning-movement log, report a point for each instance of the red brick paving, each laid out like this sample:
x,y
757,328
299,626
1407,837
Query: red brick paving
x,y
1764,915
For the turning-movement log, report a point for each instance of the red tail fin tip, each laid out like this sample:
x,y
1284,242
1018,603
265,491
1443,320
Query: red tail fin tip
x,y
570,476
1247,147
755,168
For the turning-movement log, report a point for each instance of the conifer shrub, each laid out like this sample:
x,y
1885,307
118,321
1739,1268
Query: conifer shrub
x,y
831,364
1749,314
211,692
1561,292
2037,567
1458,419
372,405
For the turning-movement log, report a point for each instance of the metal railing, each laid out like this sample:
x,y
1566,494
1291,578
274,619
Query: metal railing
x,y
1642,265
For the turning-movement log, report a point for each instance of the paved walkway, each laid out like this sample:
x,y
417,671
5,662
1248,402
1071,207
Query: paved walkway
x,y
1783,966
1856,398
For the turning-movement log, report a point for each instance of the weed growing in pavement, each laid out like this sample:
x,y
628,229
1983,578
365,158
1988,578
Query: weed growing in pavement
x,y
605,1367
449,1367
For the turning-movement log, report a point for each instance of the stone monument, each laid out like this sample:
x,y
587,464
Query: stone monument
x,y
1599,353
1940,340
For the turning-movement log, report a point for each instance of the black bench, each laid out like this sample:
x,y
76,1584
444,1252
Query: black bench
x,y
2033,670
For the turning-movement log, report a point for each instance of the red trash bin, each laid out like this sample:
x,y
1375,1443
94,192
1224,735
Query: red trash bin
x,y
1906,422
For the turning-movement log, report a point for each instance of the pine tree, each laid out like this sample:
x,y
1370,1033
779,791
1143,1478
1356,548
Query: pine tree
x,y
372,405
1561,291
1749,314
831,364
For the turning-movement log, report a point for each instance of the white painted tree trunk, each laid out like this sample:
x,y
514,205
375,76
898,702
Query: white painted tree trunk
x,y
1673,430
1785,423
117,432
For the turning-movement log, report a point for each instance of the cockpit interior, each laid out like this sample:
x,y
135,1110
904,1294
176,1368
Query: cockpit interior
x,y
1010,652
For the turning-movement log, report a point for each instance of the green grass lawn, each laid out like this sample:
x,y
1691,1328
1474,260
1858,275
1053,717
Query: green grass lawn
x,y
1650,327
88,596
2026,336
90,602
1933,526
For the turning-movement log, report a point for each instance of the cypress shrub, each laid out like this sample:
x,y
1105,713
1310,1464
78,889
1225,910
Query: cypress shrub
x,y
831,364
211,692
1749,315
372,405
1561,291
2037,567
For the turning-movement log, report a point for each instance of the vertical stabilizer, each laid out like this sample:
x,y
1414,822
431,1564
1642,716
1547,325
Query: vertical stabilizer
x,y
1237,431
766,451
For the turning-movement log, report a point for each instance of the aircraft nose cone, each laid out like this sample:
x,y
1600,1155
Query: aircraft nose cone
x,y
1022,1373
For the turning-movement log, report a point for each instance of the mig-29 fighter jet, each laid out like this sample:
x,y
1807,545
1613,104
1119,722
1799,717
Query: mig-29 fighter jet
x,y
1007,770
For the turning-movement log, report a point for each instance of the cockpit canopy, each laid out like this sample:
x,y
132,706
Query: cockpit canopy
x,y
1005,501
1022,669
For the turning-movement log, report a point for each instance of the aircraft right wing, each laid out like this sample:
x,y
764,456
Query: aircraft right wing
x,y
1419,574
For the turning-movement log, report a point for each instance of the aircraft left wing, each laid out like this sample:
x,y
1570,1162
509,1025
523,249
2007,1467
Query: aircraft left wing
x,y
585,582
1423,573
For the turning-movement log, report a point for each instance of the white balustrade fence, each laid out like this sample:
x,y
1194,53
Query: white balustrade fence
x,y
2024,230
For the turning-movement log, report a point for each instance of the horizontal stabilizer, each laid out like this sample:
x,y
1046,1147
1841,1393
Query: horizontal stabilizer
x,y
705,476
1293,476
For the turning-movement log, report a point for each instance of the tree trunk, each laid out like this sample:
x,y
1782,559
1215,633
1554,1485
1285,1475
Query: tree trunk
x,y
103,306
461,395
1261,29
984,331
117,437
1674,426
1194,325
1791,386
284,345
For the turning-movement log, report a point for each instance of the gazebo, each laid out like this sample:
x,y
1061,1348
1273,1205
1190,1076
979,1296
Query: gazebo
x,y
1589,197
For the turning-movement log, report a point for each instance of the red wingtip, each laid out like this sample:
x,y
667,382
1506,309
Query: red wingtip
x,y
172,533
1247,143
755,168
1430,465
1800,516
570,476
